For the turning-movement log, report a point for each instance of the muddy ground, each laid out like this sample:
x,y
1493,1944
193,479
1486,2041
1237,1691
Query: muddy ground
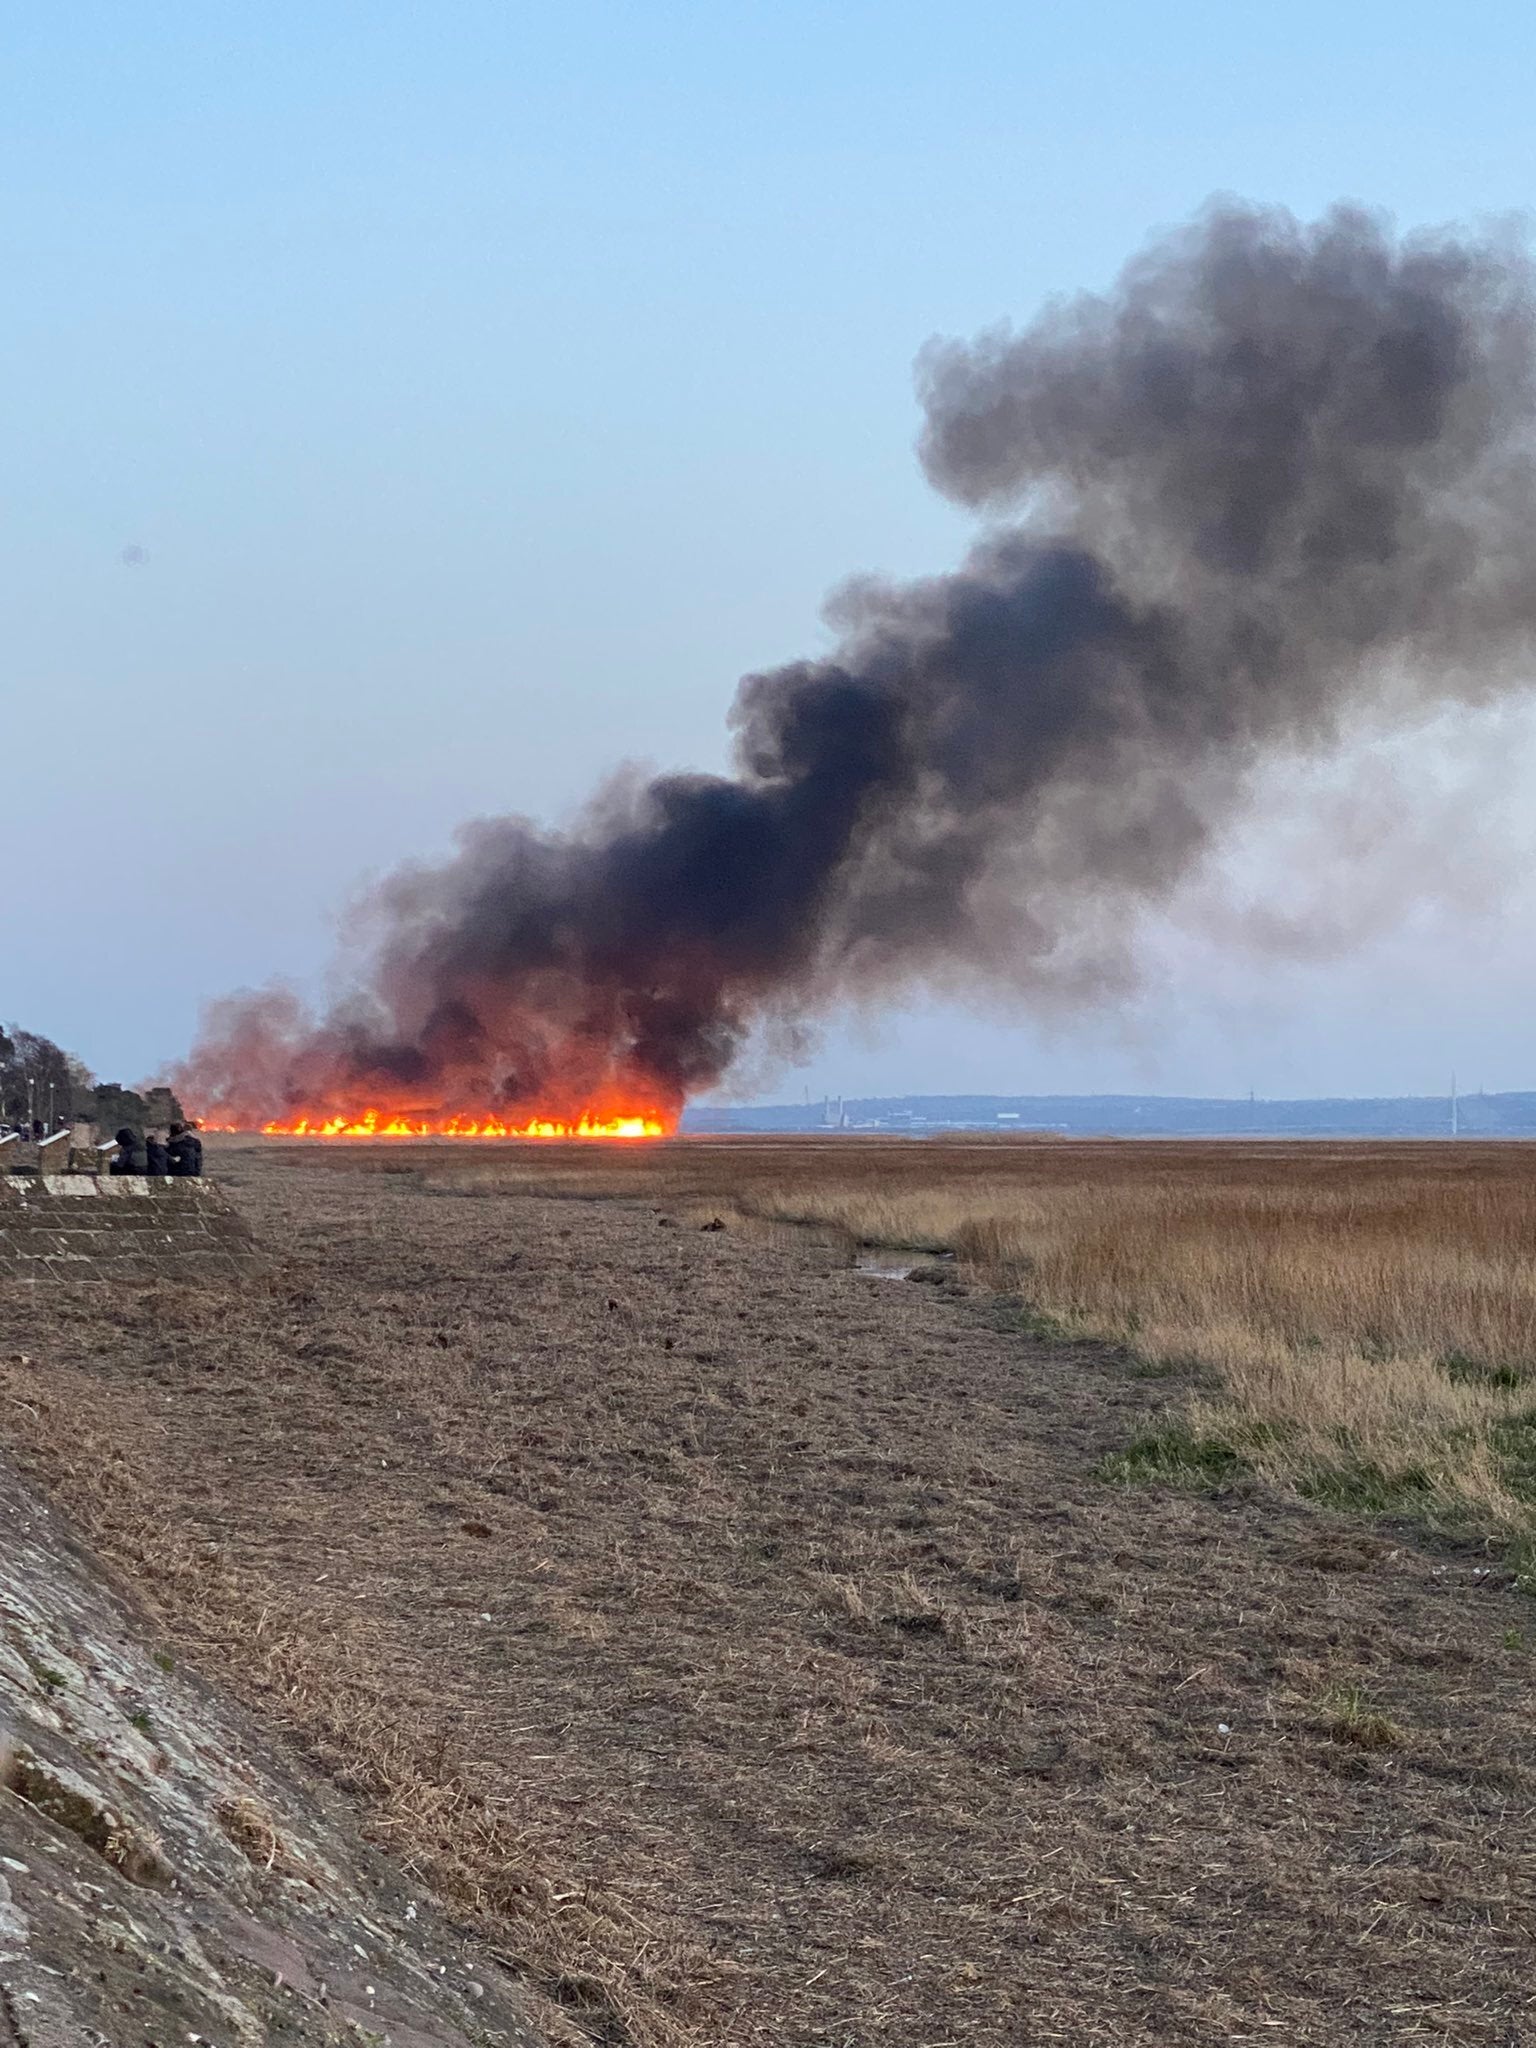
x,y
746,1644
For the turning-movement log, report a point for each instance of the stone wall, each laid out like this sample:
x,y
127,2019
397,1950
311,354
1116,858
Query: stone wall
x,y
68,1227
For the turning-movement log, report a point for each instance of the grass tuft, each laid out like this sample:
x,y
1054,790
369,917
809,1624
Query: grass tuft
x,y
1345,1713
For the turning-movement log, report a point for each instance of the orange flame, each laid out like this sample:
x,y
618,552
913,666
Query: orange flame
x,y
380,1123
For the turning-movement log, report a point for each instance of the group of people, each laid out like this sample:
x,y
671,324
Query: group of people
x,y
179,1154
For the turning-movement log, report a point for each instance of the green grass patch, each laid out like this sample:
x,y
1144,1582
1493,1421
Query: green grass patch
x,y
1465,1371
1016,1318
1521,1559
1513,1438
1173,1457
1360,1486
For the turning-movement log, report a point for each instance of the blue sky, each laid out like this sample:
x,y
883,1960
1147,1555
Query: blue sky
x,y
416,410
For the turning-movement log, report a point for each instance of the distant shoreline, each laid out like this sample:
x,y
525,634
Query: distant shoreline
x,y
1510,1115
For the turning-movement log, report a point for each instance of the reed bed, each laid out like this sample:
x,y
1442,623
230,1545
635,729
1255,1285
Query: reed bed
x,y
1368,1338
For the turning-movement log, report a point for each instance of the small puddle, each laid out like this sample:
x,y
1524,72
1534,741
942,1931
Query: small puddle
x,y
884,1265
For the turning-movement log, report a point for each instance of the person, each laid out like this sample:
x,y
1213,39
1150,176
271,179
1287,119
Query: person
x,y
185,1150
131,1156
155,1151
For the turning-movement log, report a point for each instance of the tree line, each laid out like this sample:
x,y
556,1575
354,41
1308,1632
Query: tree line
x,y
42,1083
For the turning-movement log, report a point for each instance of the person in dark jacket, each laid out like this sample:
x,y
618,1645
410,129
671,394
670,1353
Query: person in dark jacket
x,y
158,1157
131,1156
186,1151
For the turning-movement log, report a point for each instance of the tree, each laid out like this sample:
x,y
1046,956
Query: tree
x,y
37,1078
40,1079
82,1083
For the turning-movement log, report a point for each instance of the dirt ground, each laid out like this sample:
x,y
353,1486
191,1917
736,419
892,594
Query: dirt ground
x,y
748,1644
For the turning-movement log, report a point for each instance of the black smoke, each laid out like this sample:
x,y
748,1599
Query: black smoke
x,y
1278,474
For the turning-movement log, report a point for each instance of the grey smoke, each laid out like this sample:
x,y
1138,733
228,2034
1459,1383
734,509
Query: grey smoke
x,y
1279,475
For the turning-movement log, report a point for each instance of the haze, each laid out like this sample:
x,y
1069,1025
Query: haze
x,y
416,413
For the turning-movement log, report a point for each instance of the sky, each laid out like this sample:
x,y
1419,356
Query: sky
x,y
416,411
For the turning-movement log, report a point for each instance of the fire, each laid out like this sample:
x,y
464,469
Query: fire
x,y
381,1123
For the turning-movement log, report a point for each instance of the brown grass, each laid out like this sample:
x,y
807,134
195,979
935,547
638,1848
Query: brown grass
x,y
751,1648
1364,1315
1370,1330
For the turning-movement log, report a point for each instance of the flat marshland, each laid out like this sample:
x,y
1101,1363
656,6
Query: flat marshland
x,y
1113,1635
1362,1317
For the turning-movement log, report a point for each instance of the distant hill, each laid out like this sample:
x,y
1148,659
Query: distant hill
x,y
1160,1116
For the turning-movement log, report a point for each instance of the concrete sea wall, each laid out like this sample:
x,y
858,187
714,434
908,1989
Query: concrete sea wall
x,y
69,1227
169,1875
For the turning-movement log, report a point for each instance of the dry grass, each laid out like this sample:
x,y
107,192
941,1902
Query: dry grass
x,y
577,1942
1370,1337
1363,1315
751,1648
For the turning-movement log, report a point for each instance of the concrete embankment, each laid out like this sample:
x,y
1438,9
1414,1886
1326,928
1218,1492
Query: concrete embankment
x,y
78,1226
167,1876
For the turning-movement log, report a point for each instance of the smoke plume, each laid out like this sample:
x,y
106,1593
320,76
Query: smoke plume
x,y
1279,475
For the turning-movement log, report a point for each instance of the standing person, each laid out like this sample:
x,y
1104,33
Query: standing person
x,y
155,1151
131,1155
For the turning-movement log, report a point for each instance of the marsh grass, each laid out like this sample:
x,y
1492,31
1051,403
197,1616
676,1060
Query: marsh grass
x,y
1367,1339
1356,1322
